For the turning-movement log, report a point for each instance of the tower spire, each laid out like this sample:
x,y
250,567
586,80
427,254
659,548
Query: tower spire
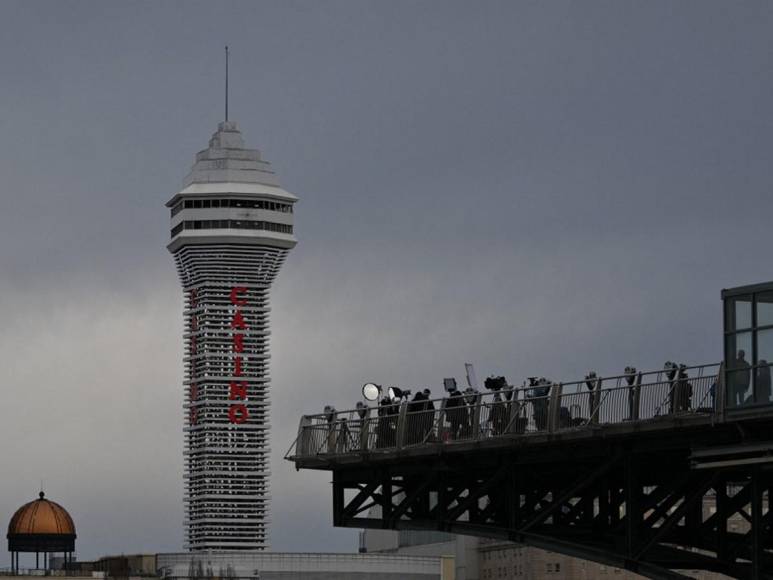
x,y
226,83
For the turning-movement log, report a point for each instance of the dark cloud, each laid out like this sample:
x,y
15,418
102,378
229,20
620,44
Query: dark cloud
x,y
539,188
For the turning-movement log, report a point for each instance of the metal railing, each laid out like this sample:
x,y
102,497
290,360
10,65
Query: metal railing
x,y
9,571
522,411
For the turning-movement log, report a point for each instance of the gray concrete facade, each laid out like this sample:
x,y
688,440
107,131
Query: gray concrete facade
x,y
301,566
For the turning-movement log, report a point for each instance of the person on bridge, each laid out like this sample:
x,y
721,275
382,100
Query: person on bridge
x,y
591,381
498,416
630,378
458,414
427,422
540,403
416,418
671,369
471,399
740,377
412,419
682,391
386,429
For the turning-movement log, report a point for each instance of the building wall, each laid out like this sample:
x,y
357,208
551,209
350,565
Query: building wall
x,y
300,566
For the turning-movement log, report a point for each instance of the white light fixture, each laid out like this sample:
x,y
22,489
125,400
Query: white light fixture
x,y
371,391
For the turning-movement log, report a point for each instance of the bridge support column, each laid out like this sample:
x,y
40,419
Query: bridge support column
x,y
632,508
722,510
386,500
757,523
338,498
602,521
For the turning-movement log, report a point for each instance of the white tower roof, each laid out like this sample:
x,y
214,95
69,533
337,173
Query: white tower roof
x,y
231,195
228,166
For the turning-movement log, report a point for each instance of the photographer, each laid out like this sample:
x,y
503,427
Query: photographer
x,y
498,413
386,429
539,400
457,413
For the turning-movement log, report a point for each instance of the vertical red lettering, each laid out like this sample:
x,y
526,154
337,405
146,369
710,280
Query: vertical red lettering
x,y
238,414
238,320
235,292
238,390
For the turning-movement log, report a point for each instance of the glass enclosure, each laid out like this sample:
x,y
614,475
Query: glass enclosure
x,y
748,345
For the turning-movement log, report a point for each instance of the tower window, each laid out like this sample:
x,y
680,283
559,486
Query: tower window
x,y
251,203
232,224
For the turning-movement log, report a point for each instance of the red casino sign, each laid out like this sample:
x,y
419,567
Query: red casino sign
x,y
237,412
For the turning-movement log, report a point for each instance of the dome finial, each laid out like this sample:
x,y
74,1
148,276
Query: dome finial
x,y
41,494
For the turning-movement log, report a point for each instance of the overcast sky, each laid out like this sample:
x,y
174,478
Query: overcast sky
x,y
541,188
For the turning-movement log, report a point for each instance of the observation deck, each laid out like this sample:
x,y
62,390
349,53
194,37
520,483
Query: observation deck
x,y
647,471
601,407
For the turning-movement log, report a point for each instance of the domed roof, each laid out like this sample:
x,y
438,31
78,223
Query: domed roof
x,y
41,517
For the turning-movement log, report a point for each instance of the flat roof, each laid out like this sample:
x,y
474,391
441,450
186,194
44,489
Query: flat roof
x,y
748,289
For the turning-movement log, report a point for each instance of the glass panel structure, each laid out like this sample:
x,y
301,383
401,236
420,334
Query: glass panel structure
x,y
748,345
765,309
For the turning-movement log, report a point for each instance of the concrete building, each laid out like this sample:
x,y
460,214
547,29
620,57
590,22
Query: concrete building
x,y
300,566
231,229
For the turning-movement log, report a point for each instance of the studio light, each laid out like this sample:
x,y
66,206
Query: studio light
x,y
371,391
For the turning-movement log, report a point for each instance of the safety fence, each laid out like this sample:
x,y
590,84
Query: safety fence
x,y
513,411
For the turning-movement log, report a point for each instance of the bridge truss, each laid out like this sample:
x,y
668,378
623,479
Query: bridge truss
x,y
690,489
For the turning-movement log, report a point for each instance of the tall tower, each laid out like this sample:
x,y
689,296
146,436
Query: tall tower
x,y
232,227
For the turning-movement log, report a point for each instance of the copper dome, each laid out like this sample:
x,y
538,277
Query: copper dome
x,y
41,517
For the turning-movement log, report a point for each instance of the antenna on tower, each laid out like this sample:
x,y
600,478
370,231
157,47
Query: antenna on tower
x,y
226,83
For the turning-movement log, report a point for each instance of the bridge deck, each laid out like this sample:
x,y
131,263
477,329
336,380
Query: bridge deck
x,y
650,472
607,407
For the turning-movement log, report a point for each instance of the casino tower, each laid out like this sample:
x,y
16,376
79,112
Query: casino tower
x,y
232,227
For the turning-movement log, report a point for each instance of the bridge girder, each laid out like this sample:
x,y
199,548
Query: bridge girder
x,y
639,507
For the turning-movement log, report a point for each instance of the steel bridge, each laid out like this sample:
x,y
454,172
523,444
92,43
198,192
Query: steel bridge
x,y
649,471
